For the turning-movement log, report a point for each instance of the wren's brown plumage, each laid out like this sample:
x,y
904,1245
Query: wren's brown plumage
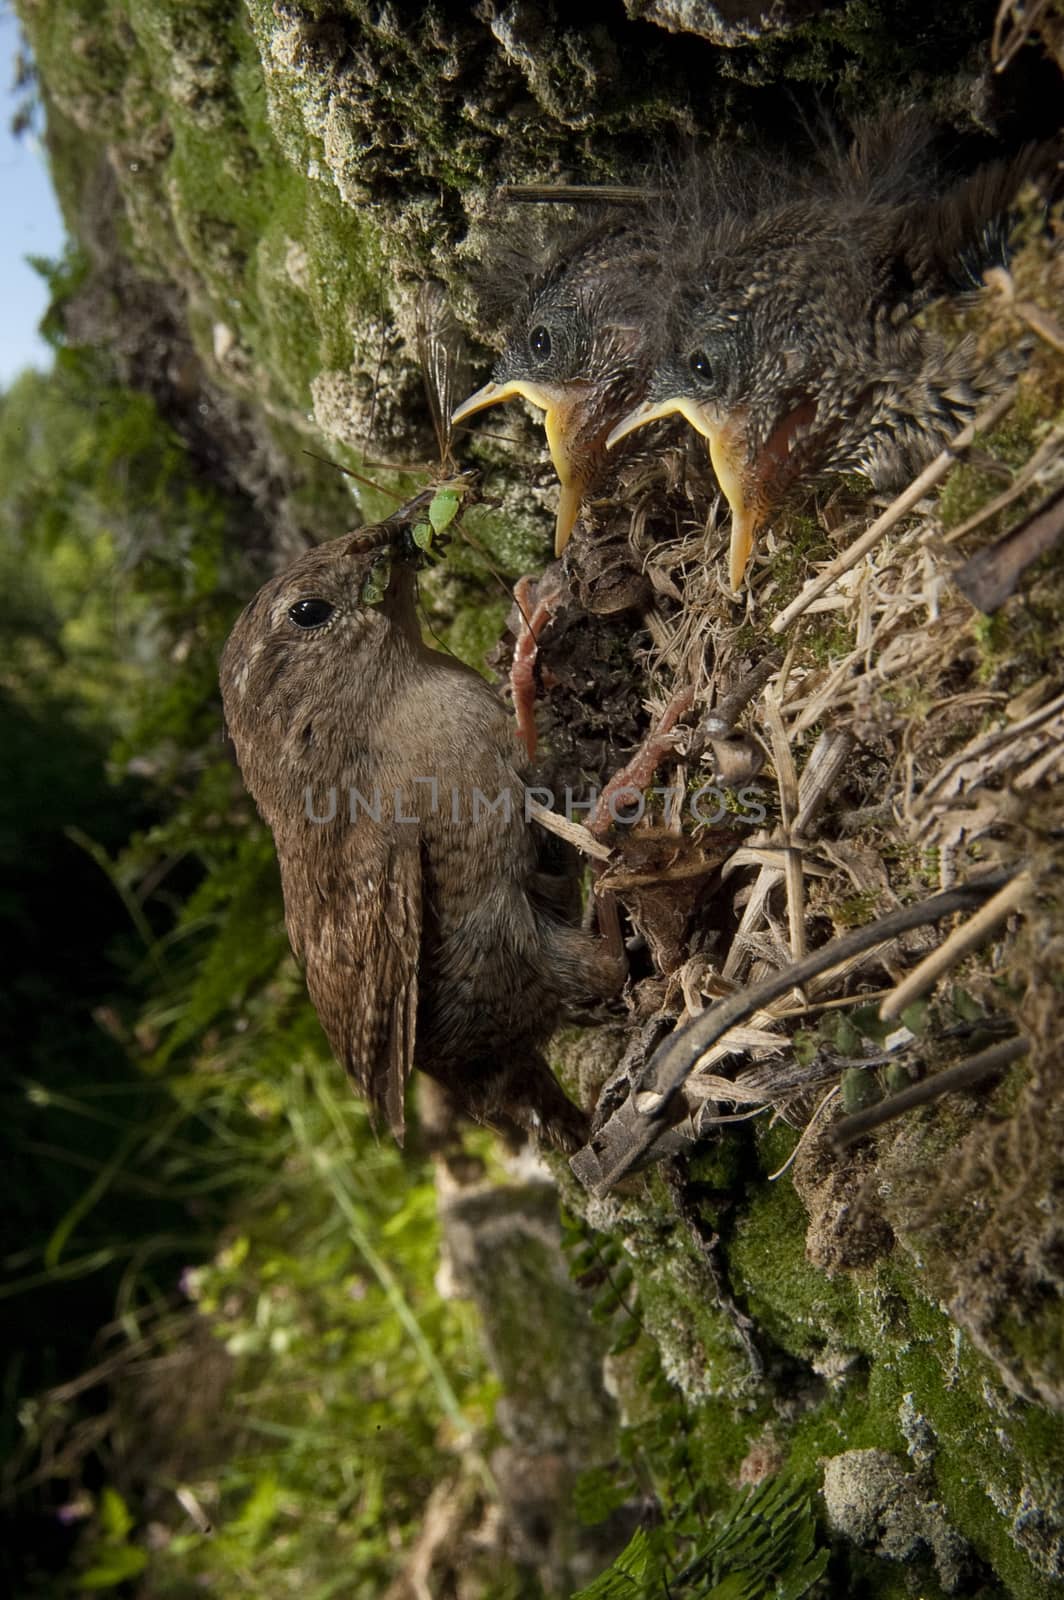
x,y
578,348
789,341
418,907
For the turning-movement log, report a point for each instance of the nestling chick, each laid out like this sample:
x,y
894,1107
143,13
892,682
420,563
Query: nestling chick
x,y
578,347
388,775
790,342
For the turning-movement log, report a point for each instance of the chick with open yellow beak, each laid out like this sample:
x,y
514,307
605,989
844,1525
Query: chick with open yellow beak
x,y
566,412
740,481
790,340
578,350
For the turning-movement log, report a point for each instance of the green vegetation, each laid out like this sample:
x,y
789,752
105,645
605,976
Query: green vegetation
x,y
224,1286
229,1367
764,1549
182,1152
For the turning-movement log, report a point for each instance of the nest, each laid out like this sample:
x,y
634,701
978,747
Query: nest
x,y
883,728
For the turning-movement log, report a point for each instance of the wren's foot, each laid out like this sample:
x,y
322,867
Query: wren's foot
x,y
529,1094
537,603
636,774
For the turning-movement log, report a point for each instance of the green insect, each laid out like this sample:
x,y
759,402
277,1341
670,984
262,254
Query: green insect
x,y
375,585
443,508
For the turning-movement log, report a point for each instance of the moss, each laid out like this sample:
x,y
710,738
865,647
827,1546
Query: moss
x,y
345,269
910,699
83,58
475,631
689,1454
1036,1341
911,1350
826,644
847,1417
799,545
986,1447
214,201
716,1166
719,1442
701,1350
966,492
899,1378
290,339
992,635
515,537
860,43
1017,640
855,909
291,175
970,485
799,1307
890,1353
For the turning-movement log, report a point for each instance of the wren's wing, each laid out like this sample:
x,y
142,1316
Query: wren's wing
x,y
360,945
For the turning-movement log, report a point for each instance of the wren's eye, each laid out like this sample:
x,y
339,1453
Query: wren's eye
x,y
539,343
310,613
700,365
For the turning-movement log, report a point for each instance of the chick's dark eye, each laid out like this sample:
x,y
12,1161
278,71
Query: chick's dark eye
x,y
539,343
310,613
700,365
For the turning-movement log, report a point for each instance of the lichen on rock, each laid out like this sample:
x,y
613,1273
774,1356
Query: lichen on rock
x,y
872,1500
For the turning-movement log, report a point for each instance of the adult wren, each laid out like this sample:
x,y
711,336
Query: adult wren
x,y
389,776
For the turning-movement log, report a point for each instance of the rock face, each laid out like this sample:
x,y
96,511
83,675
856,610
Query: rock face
x,y
286,172
257,192
725,25
871,1499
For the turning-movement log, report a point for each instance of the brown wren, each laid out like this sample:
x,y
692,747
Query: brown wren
x,y
389,774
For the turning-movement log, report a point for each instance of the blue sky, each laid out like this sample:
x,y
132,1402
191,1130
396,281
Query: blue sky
x,y
31,225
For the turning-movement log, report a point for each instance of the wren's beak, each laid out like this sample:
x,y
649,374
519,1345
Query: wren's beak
x,y
561,404
727,452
